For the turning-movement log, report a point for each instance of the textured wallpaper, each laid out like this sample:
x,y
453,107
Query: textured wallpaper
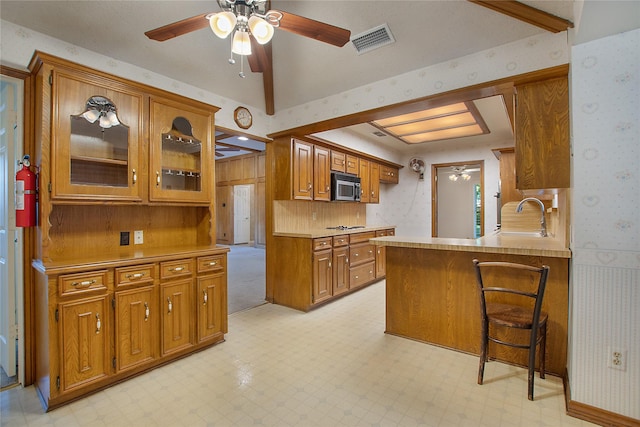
x,y
605,286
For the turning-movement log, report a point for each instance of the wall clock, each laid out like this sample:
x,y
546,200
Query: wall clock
x,y
242,117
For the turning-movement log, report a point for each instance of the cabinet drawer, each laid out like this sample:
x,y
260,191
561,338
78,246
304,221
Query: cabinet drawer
x,y
211,263
362,253
361,237
340,240
362,274
136,275
178,268
320,244
79,283
383,233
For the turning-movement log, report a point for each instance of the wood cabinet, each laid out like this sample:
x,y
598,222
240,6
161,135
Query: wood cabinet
x,y
381,262
117,156
508,191
89,161
338,161
302,170
321,174
542,135
84,342
211,297
136,319
389,174
309,272
353,164
369,173
180,144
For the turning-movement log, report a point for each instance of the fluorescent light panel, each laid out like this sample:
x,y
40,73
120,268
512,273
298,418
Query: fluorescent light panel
x,y
451,121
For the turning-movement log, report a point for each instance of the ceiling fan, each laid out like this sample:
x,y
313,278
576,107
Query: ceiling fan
x,y
251,23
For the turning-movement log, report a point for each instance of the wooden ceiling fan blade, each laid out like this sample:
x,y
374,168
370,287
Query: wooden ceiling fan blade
x,y
314,29
179,28
261,61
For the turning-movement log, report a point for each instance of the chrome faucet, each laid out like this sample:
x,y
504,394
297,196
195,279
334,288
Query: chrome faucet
x,y
543,220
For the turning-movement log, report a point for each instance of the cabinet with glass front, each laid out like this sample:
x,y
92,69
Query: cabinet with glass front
x,y
96,138
180,144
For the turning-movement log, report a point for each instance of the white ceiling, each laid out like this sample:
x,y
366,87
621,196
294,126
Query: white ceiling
x,y
426,32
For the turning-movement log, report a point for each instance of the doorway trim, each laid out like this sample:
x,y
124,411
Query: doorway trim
x,y
434,192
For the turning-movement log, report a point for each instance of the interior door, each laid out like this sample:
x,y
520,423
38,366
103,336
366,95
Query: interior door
x,y
10,236
241,214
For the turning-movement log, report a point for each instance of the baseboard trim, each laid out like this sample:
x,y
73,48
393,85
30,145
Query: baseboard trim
x,y
593,414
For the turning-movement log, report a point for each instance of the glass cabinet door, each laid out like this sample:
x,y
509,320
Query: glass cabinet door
x,y
95,141
180,152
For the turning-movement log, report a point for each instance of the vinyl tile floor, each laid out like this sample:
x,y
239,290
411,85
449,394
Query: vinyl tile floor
x,y
333,366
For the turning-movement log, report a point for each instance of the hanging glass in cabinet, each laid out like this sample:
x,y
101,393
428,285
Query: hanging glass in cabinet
x,y
181,158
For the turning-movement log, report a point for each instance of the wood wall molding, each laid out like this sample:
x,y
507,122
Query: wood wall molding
x,y
469,93
527,14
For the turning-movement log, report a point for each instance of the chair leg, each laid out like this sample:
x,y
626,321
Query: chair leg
x,y
543,348
532,362
483,353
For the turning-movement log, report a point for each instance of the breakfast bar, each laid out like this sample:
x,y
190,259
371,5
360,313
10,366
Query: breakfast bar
x,y
431,293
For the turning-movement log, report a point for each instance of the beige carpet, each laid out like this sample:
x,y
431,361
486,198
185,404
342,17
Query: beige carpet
x,y
246,277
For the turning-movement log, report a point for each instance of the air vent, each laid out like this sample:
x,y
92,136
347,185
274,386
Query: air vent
x,y
373,39
379,133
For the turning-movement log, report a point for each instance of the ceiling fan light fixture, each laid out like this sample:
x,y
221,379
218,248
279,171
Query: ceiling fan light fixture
x,y
91,115
222,23
241,43
261,29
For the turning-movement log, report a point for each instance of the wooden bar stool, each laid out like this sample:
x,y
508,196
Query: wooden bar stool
x,y
510,306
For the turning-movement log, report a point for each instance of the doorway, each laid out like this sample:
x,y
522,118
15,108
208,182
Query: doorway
x,y
457,194
11,237
242,214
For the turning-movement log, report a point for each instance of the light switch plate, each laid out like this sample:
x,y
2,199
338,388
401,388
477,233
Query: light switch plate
x,y
138,238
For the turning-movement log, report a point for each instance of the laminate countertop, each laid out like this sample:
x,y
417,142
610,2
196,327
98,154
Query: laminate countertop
x,y
325,232
511,244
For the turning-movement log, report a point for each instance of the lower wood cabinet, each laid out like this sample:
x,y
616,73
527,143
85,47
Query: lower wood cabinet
x,y
309,272
136,318
175,312
98,327
84,342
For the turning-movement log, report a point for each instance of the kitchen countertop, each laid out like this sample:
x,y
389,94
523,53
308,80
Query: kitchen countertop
x,y
496,243
324,232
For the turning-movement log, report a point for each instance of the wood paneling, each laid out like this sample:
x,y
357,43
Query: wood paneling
x,y
432,297
293,215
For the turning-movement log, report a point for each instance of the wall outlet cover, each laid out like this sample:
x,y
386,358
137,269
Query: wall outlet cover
x,y
138,237
124,238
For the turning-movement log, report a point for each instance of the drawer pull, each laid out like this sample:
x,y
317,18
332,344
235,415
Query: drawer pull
x,y
212,263
98,323
157,179
323,244
176,270
329,264
205,297
135,276
355,254
346,261
357,277
169,305
146,311
84,283
370,252
134,177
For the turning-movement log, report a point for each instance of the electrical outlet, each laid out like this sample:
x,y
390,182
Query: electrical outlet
x,y
124,238
138,238
617,358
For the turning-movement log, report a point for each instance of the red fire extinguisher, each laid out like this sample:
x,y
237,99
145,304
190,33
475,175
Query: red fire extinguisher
x,y
25,195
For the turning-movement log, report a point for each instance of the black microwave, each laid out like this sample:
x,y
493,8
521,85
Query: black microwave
x,y
345,187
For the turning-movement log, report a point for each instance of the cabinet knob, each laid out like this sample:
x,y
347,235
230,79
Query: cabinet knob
x,y
134,177
135,276
309,186
169,305
176,270
329,264
98,323
146,311
212,263
157,179
205,297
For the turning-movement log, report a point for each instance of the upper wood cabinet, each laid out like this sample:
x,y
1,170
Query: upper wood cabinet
x,y
91,156
542,135
353,164
389,174
180,146
321,174
369,181
338,161
302,170
101,138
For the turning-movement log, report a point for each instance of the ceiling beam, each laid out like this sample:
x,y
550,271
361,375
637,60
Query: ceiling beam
x,y
527,14
224,144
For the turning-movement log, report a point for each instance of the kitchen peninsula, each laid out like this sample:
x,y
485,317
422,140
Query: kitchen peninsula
x,y
431,290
